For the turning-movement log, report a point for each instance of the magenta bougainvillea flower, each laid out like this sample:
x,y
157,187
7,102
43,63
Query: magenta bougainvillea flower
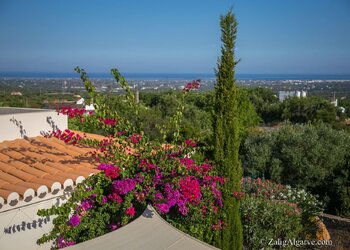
x,y
114,226
61,242
104,200
130,211
74,220
86,204
72,112
190,143
135,138
192,85
108,121
67,136
218,226
163,208
110,170
124,186
115,197
190,188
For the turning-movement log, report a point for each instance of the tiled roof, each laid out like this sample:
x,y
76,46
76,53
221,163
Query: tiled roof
x,y
38,166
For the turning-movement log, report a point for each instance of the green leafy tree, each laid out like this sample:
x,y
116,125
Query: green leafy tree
x,y
302,110
227,132
312,156
266,104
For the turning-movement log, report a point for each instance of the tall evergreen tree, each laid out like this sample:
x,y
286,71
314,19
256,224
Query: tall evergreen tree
x,y
227,130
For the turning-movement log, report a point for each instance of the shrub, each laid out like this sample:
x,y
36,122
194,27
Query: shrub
x,y
312,157
274,211
134,172
265,219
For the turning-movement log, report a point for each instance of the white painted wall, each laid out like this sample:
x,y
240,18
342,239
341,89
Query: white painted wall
x,y
21,227
30,123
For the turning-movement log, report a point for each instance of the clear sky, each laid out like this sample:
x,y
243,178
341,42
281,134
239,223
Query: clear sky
x,y
173,36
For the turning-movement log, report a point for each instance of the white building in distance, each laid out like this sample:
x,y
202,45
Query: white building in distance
x,y
282,95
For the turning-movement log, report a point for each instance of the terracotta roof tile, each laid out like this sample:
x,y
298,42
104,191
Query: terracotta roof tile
x,y
37,166
4,157
45,168
2,182
34,171
16,188
9,178
45,181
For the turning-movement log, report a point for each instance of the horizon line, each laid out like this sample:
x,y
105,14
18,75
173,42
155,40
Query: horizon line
x,y
163,73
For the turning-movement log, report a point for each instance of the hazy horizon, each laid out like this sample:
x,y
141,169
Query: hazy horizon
x,y
175,76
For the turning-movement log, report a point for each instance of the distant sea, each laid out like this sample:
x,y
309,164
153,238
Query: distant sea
x,y
177,76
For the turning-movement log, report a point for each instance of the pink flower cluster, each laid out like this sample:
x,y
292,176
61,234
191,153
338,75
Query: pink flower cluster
x,y
72,112
265,188
110,170
218,226
108,121
130,211
122,187
172,198
67,136
74,220
190,165
146,164
238,195
115,197
192,85
190,143
135,138
86,205
190,188
62,243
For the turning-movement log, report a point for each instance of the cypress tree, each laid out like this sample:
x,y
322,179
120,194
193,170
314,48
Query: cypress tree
x,y
227,130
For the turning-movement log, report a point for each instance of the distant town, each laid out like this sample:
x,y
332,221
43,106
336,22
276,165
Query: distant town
x,y
17,86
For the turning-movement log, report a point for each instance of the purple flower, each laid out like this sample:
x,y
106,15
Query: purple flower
x,y
104,200
182,207
62,243
158,176
124,186
114,226
74,220
86,204
158,195
172,195
139,178
163,208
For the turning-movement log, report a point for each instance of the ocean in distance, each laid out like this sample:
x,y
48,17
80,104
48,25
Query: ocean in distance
x,y
177,76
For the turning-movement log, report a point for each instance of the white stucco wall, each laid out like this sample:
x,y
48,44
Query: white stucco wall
x,y
21,227
23,123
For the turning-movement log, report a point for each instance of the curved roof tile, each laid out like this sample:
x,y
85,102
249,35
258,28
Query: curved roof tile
x,y
35,167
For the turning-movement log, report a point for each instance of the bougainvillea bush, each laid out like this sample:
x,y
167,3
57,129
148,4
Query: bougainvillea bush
x,y
134,172
274,211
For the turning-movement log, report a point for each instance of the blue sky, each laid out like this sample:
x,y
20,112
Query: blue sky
x,y
166,36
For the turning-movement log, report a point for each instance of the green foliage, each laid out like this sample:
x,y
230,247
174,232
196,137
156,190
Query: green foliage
x,y
268,219
302,110
266,104
273,211
345,103
227,133
313,157
102,110
130,97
